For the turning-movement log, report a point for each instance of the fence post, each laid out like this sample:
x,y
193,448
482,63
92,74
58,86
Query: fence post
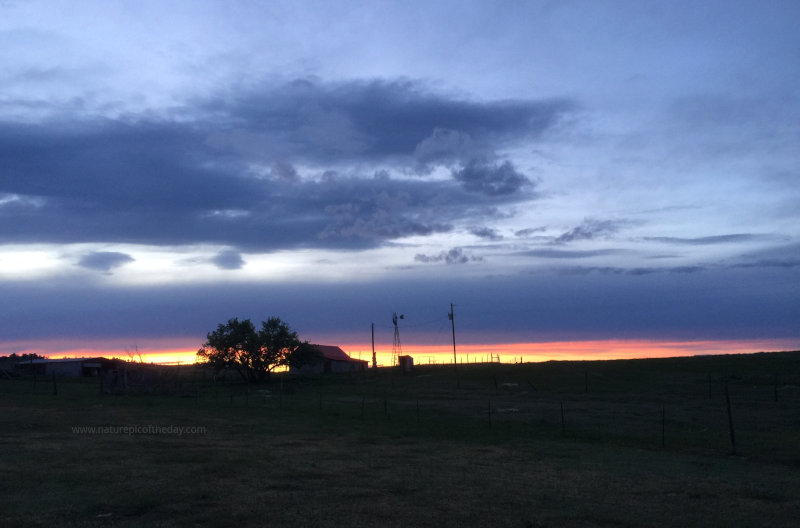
x,y
730,416
775,385
55,387
563,425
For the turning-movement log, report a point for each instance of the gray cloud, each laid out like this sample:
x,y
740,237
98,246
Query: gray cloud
x,y
707,240
591,304
228,260
637,271
487,233
453,256
529,231
230,176
592,228
491,179
104,260
569,254
374,119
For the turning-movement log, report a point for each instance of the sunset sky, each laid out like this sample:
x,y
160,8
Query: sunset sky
x,y
615,179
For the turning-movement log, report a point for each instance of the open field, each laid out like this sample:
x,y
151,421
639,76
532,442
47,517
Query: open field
x,y
617,443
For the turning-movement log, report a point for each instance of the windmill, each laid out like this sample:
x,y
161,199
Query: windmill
x,y
396,349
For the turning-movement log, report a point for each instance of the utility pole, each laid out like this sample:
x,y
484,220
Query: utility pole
x,y
451,315
374,361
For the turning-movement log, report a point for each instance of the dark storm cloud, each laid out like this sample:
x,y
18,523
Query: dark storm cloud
x,y
104,260
228,260
375,120
491,179
229,174
453,256
592,228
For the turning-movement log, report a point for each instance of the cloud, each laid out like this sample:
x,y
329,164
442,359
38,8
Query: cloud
x,y
104,260
228,260
636,271
592,228
491,179
453,256
374,119
445,146
595,304
783,256
522,233
569,254
487,233
707,240
276,167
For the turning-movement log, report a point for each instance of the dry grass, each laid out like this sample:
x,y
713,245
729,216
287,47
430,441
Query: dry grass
x,y
263,461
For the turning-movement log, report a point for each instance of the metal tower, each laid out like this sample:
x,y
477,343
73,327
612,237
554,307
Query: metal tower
x,y
396,348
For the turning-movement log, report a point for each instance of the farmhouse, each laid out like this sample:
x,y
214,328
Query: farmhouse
x,y
330,359
74,367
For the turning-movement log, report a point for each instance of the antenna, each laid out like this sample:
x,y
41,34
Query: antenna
x,y
396,348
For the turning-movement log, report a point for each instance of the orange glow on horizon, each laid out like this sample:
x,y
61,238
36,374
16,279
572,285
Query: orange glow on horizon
x,y
475,353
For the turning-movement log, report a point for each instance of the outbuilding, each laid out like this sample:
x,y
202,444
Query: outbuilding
x,y
331,359
72,367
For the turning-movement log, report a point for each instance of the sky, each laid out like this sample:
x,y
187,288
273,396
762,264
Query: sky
x,y
601,176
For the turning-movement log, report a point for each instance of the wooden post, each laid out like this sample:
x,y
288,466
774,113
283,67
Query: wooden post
x,y
586,381
363,404
730,416
663,426
417,411
374,360
709,386
55,387
453,326
490,414
775,387
563,424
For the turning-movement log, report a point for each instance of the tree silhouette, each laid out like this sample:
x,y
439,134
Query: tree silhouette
x,y
253,354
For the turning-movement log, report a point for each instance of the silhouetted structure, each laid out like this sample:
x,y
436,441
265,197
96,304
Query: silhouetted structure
x,y
406,364
72,367
331,359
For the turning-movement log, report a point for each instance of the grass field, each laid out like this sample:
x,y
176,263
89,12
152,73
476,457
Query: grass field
x,y
616,443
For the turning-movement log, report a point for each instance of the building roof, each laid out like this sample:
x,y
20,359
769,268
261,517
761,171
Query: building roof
x,y
40,361
335,353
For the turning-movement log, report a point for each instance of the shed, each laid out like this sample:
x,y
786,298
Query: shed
x,y
406,364
331,359
72,367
